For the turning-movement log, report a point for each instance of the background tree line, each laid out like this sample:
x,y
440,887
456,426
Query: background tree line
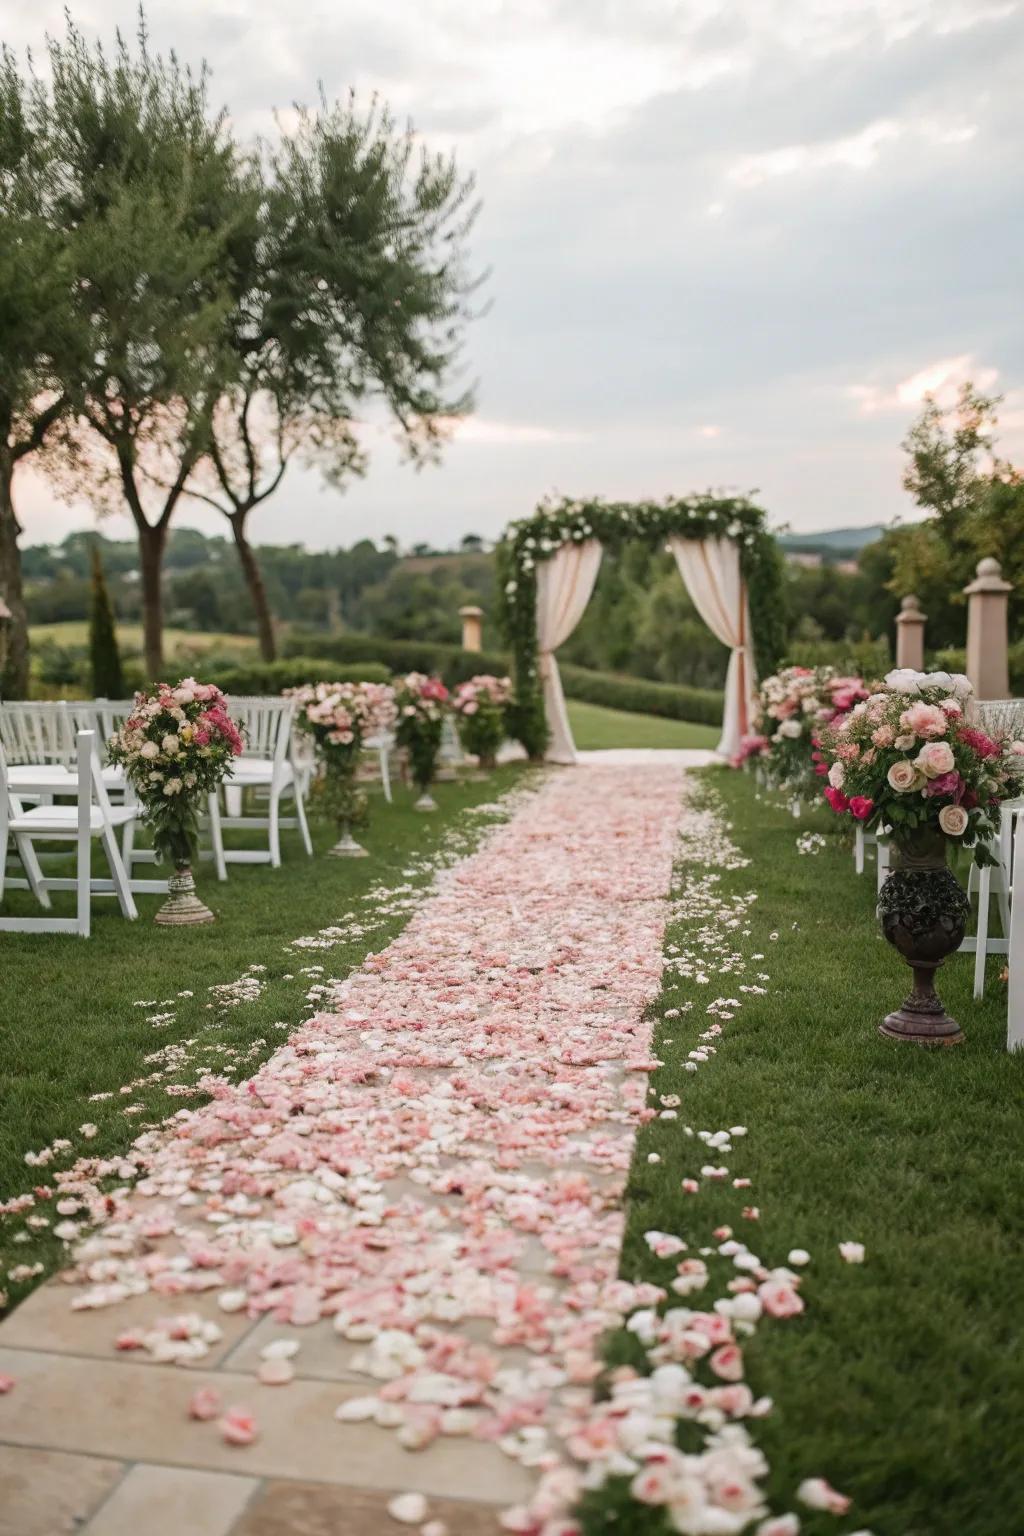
x,y
183,315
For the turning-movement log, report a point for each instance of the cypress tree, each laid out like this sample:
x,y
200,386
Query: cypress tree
x,y
104,656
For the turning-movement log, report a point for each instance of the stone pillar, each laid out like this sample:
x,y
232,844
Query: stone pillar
x,y
910,622
472,628
987,661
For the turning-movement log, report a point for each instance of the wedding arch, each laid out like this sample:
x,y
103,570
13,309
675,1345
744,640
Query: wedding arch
x,y
548,565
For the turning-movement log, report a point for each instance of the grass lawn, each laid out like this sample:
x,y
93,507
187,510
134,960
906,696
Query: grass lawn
x,y
70,1021
129,636
595,727
903,1382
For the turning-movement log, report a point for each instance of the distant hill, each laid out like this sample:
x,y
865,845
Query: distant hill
x,y
833,541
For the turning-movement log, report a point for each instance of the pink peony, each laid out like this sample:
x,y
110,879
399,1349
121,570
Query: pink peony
x,y
883,736
945,784
861,807
926,720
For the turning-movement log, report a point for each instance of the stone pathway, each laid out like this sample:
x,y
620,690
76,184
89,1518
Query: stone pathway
x,y
412,1212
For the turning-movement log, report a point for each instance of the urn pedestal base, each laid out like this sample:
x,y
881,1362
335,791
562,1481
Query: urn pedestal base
x,y
426,802
347,848
183,907
923,912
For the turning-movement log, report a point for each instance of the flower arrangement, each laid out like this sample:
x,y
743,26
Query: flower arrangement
x,y
175,747
793,707
531,541
479,706
753,745
340,717
421,702
906,759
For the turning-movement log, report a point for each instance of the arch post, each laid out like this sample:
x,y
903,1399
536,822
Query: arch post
x,y
472,628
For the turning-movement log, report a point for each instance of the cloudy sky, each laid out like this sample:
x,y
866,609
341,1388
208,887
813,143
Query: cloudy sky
x,y
731,242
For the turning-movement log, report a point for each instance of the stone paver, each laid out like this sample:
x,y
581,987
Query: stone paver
x,y
48,1493
171,1501
93,1406
302,1509
45,1321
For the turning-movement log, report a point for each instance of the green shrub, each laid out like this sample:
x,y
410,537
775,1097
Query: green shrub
x,y
449,662
640,696
273,676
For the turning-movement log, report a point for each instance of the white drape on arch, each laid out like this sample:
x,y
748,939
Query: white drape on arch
x,y
711,570
564,585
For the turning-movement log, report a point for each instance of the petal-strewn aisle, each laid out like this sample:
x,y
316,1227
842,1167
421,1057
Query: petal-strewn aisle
x,y
409,1219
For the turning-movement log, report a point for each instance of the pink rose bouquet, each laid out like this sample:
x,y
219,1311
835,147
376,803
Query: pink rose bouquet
x,y
422,704
175,747
793,707
479,706
341,717
905,758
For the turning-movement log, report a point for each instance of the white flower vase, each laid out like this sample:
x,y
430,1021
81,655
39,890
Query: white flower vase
x,y
183,909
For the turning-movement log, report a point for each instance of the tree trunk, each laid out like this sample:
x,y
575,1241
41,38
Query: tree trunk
x,y
257,590
151,554
14,631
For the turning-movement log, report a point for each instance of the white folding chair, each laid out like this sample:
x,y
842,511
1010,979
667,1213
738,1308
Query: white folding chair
x,y
90,816
266,764
994,880
383,744
862,841
1015,991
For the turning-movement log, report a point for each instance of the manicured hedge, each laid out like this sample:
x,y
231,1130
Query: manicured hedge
x,y
450,662
616,691
612,689
272,676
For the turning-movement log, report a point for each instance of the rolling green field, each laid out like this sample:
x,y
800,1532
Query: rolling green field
x,y
596,728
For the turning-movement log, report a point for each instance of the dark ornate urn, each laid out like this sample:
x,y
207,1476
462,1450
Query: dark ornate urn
x,y
923,910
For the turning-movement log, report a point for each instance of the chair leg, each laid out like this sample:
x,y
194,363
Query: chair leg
x,y
119,875
984,893
217,836
84,875
33,872
233,799
858,848
300,816
274,828
883,865
385,773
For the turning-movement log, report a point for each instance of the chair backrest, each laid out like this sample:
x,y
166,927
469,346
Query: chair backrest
x,y
38,732
104,716
1001,717
266,724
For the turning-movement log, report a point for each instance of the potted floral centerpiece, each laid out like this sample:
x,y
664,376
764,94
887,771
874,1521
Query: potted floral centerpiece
x,y
421,702
479,705
340,717
907,762
175,748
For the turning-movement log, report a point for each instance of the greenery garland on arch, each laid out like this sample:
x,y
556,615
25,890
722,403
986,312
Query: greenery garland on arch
x,y
613,523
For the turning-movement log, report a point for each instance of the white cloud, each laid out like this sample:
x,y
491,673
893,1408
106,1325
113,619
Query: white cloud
x,y
941,379
482,432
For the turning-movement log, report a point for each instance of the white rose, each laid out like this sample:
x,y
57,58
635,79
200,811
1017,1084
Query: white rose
x,y
953,820
148,749
961,685
836,775
791,728
170,745
902,777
